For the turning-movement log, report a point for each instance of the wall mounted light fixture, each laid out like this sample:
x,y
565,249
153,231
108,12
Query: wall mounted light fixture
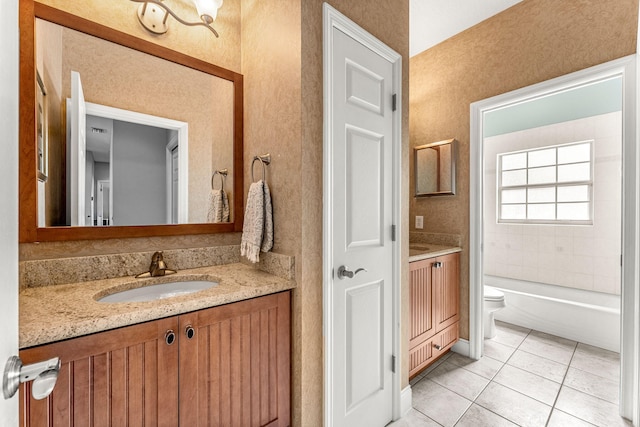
x,y
153,15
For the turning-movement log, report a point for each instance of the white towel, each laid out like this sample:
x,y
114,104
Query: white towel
x,y
218,210
257,229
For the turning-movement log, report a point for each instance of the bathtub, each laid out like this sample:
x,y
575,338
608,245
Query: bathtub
x,y
585,316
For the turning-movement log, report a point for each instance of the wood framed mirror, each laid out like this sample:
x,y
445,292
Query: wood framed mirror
x,y
38,108
435,169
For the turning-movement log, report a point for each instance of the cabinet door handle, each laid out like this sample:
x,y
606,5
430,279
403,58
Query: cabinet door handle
x,y
437,346
437,264
189,332
169,337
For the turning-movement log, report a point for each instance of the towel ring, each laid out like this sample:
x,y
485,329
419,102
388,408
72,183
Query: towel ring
x,y
265,159
223,174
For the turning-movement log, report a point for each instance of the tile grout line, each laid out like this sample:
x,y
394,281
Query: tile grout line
x,y
492,380
487,385
564,377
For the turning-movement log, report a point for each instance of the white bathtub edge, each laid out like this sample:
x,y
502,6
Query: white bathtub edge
x,y
586,323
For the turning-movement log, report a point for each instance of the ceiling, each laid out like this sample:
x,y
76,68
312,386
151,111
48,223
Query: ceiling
x,y
433,21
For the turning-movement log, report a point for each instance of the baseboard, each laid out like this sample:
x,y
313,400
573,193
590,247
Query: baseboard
x,y
405,401
461,347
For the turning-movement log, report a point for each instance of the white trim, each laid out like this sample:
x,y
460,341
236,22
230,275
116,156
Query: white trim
x,y
334,19
626,68
635,387
171,145
160,122
461,347
406,401
9,214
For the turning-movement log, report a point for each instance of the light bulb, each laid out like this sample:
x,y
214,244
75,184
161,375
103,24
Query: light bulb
x,y
208,9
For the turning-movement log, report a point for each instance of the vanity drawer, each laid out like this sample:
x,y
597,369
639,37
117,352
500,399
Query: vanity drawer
x,y
430,350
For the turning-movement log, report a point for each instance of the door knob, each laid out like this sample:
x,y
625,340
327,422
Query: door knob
x,y
43,374
344,272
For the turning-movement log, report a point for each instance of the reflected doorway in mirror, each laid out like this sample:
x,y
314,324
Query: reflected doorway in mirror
x,y
143,157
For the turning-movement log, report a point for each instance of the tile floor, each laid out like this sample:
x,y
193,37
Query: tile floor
x,y
525,378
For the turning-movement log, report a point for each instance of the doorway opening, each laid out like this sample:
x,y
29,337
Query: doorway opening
x,y
509,214
161,192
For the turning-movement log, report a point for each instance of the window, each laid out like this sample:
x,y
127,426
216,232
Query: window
x,y
546,185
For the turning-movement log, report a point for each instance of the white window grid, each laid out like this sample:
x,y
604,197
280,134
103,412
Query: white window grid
x,y
546,185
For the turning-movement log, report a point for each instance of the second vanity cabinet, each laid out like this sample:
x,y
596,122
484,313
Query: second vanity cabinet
x,y
223,366
434,300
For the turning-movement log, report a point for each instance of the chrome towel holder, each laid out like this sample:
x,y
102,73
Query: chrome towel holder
x,y
223,175
265,159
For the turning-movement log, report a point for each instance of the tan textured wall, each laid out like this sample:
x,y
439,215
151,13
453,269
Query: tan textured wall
x,y
531,42
198,42
389,22
271,63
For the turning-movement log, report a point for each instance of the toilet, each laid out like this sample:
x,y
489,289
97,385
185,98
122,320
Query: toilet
x,y
493,301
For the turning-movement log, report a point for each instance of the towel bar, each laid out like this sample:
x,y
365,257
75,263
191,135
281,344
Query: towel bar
x,y
265,159
223,174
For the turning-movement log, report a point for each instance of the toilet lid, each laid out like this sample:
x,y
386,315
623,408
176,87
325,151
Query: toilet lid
x,y
492,294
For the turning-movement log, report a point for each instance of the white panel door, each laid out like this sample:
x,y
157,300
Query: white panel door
x,y
78,150
361,167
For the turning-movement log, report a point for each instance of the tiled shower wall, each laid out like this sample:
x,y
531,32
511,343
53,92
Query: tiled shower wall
x,y
583,257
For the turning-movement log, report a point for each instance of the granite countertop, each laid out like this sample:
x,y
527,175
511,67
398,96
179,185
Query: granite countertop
x,y
54,313
420,251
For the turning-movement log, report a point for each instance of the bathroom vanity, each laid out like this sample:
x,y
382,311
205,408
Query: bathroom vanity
x,y
204,368
434,300
220,356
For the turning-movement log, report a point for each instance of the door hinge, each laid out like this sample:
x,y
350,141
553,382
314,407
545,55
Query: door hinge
x,y
393,102
393,233
393,363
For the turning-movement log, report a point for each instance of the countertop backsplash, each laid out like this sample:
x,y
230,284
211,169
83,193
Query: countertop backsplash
x,y
59,271
440,239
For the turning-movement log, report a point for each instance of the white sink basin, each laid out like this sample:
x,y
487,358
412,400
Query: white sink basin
x,y
157,292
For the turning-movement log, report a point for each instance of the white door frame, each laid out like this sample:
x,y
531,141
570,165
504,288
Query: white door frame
x,y
334,19
171,145
160,122
100,200
630,308
9,95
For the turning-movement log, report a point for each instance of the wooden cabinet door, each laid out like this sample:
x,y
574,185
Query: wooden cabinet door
x,y
235,369
421,299
126,376
447,300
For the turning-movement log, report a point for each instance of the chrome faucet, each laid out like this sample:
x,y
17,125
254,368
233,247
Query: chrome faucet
x,y
157,268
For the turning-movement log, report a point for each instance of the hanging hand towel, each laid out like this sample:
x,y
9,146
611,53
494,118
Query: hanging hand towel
x,y
218,206
267,237
254,220
257,230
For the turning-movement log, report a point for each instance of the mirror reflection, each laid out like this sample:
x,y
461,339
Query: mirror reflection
x,y
435,168
132,139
